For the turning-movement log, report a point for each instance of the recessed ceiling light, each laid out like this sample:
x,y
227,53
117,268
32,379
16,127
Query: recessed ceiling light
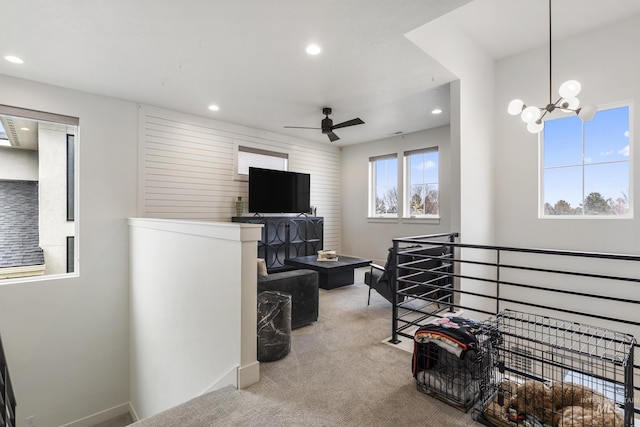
x,y
313,49
14,59
25,129
436,111
214,107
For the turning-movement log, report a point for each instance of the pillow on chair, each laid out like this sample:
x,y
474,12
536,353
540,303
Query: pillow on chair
x,y
262,267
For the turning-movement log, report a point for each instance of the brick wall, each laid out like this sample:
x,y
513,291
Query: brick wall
x,y
19,234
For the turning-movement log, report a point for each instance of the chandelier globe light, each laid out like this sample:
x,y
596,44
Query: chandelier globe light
x,y
567,102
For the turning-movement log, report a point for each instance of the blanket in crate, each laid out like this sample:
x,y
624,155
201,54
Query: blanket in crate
x,y
455,335
451,359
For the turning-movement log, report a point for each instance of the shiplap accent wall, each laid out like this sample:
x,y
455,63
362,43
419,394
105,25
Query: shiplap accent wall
x,y
186,168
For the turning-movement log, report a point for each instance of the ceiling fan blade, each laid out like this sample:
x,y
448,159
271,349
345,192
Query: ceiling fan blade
x,y
351,122
332,136
298,127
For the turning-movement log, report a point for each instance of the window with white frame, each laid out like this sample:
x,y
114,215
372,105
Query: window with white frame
x,y
383,180
38,184
421,183
255,157
585,165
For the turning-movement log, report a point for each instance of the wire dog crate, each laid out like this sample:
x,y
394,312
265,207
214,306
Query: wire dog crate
x,y
453,362
557,372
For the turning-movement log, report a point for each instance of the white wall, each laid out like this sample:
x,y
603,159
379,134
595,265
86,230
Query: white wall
x,y
472,122
66,339
608,66
371,237
18,164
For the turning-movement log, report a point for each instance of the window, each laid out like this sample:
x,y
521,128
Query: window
x,y
249,156
585,165
383,200
421,183
37,189
70,179
71,246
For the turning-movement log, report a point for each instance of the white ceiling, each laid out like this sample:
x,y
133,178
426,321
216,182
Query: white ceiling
x,y
507,27
248,56
22,133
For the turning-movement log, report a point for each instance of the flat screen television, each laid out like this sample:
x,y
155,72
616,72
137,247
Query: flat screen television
x,y
274,191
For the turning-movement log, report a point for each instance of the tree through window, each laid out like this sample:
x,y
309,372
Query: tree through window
x,y
384,183
422,182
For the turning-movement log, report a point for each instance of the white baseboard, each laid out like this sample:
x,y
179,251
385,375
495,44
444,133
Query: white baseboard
x,y
134,414
248,375
101,416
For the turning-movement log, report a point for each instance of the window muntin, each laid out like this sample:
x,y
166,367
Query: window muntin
x,y
586,165
384,186
421,183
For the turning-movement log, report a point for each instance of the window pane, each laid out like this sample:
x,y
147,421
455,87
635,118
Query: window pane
x,y
563,142
424,167
423,199
71,245
431,165
606,187
70,179
422,180
563,191
387,172
386,186
606,137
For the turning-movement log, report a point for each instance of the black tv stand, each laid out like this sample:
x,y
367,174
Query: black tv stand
x,y
286,237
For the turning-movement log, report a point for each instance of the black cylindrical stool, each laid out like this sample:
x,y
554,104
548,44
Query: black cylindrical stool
x,y
274,325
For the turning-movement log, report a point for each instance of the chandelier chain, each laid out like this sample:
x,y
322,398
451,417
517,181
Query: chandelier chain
x,y
550,57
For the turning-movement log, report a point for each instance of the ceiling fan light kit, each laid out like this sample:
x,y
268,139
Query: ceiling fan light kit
x,y
568,101
327,126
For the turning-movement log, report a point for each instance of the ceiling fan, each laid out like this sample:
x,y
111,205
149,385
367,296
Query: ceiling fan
x,y
327,125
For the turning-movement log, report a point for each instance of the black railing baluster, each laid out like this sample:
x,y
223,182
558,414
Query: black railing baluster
x,y
510,280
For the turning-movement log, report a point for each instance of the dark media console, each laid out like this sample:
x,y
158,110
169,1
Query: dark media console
x,y
286,237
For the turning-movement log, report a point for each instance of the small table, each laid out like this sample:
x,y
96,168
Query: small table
x,y
331,274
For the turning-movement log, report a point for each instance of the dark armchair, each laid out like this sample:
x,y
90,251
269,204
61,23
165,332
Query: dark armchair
x,y
432,263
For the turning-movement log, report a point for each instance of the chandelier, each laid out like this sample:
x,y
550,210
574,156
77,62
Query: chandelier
x,y
567,102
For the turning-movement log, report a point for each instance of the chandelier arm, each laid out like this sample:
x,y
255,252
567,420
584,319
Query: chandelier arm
x,y
558,105
544,113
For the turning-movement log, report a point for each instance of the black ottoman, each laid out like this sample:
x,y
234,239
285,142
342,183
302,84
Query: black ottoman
x,y
302,285
274,325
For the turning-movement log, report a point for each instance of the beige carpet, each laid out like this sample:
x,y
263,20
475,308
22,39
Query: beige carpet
x,y
339,373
